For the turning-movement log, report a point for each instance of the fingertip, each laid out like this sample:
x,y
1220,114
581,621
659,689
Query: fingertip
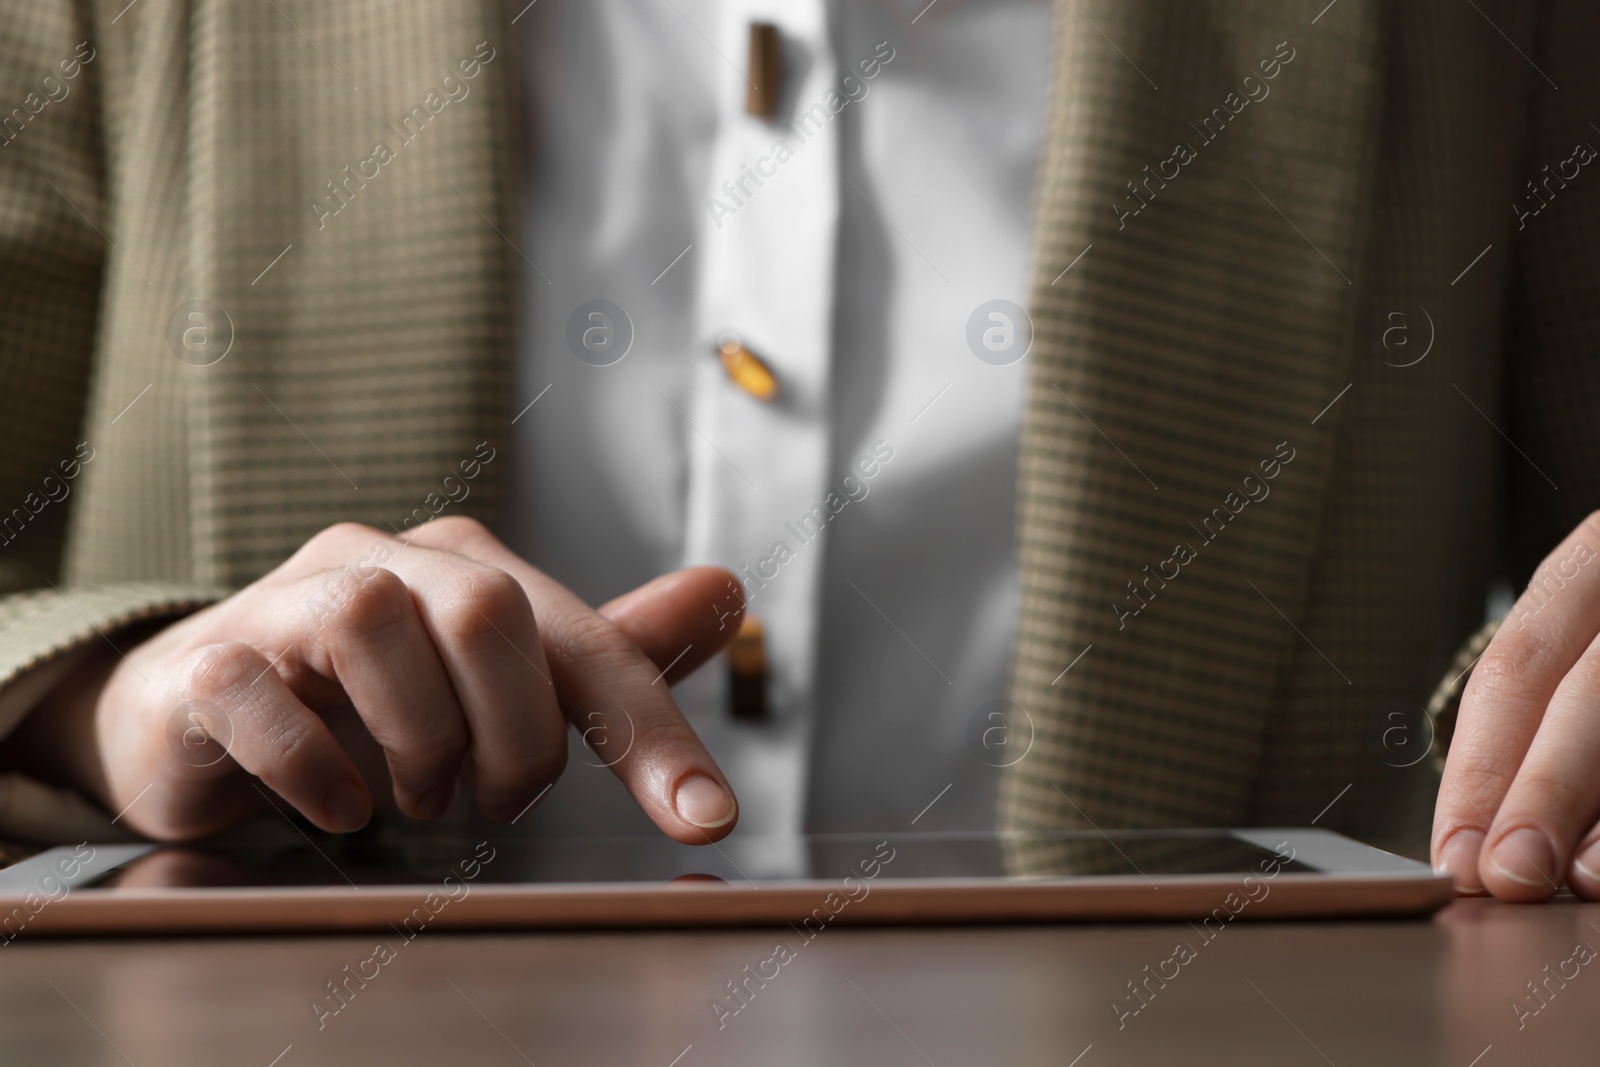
x,y
432,804
1520,867
706,805
1458,856
1584,877
505,808
346,808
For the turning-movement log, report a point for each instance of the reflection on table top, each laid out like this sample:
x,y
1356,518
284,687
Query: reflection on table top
x,y
1415,993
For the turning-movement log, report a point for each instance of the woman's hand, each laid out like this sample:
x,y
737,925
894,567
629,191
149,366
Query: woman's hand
x,y
445,647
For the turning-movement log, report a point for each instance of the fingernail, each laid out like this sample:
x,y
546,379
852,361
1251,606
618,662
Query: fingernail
x,y
347,807
1525,857
1588,864
1459,858
704,803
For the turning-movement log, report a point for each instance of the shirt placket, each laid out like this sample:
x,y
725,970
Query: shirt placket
x,y
758,401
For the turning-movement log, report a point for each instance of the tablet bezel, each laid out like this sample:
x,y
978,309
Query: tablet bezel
x,y
1353,880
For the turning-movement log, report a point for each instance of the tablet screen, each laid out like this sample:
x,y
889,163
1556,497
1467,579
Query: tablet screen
x,y
387,858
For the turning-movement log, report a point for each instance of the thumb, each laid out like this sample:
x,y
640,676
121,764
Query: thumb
x,y
681,619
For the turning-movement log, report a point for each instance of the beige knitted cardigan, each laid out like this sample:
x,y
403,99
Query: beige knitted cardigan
x,y
1234,200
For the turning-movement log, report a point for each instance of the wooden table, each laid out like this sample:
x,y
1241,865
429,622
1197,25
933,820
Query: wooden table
x,y
1414,993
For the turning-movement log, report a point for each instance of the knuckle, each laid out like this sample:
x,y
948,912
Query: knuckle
x,y
486,605
455,530
589,641
338,537
216,672
369,605
1512,660
340,532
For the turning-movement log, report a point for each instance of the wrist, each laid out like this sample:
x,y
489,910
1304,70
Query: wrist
x,y
57,742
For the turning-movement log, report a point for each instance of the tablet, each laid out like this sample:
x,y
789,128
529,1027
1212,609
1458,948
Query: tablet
x,y
405,882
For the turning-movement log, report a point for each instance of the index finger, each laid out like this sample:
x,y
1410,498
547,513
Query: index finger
x,y
1506,698
607,689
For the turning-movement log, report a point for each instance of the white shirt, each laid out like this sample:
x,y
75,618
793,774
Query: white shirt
x,y
849,241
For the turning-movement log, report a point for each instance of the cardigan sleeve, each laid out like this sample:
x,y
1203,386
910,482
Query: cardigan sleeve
x,y
52,251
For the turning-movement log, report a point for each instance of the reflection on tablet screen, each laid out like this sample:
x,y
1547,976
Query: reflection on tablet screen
x,y
366,860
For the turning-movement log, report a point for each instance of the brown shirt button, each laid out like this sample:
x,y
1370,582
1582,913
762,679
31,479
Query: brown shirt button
x,y
747,370
747,671
761,94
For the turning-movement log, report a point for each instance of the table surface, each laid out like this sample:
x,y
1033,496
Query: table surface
x,y
1415,993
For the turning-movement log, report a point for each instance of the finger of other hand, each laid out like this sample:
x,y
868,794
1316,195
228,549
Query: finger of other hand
x,y
1549,628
